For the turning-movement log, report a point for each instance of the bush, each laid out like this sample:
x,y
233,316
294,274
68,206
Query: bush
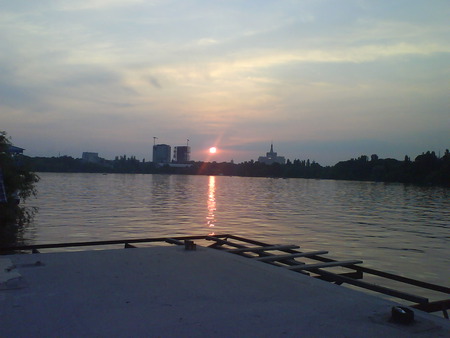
x,y
19,184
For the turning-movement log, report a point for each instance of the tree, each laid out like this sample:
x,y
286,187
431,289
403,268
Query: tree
x,y
18,182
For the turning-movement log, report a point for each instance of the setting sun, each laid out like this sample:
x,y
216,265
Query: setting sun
x,y
212,150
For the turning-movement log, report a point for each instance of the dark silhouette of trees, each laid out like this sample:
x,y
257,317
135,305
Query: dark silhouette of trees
x,y
19,184
426,169
429,169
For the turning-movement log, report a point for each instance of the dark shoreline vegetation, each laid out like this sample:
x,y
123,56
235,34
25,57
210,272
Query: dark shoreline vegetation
x,y
17,184
425,169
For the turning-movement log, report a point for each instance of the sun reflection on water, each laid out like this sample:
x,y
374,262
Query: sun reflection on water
x,y
210,219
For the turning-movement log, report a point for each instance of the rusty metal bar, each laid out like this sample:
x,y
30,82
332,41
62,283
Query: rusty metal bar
x,y
98,243
323,265
388,275
373,287
440,305
289,256
220,241
247,240
264,248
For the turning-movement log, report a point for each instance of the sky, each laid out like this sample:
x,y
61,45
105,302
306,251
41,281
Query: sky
x,y
323,80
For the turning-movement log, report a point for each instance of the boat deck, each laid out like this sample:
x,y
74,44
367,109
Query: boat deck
x,y
191,290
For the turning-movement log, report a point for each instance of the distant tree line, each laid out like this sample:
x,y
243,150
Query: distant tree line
x,y
425,169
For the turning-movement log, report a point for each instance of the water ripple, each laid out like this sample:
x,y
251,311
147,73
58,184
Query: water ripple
x,y
387,225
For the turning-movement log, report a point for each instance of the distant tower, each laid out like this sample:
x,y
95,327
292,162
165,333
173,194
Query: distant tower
x,y
272,157
161,153
181,154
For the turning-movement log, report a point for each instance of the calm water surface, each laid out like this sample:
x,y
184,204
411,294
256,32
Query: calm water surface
x,y
402,229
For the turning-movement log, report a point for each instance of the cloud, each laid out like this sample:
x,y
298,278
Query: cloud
x,y
154,82
69,5
241,72
206,42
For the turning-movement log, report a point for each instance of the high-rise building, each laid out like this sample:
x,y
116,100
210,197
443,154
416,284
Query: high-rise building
x,y
181,154
272,157
90,157
161,153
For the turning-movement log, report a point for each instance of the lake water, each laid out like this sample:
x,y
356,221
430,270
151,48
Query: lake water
x,y
392,227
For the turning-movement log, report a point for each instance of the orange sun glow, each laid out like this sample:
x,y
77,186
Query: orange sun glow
x,y
212,150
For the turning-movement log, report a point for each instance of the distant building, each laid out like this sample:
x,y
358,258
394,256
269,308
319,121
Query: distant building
x,y
272,157
161,153
90,157
181,154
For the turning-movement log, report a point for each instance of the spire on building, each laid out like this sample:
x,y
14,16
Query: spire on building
x,y
272,157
